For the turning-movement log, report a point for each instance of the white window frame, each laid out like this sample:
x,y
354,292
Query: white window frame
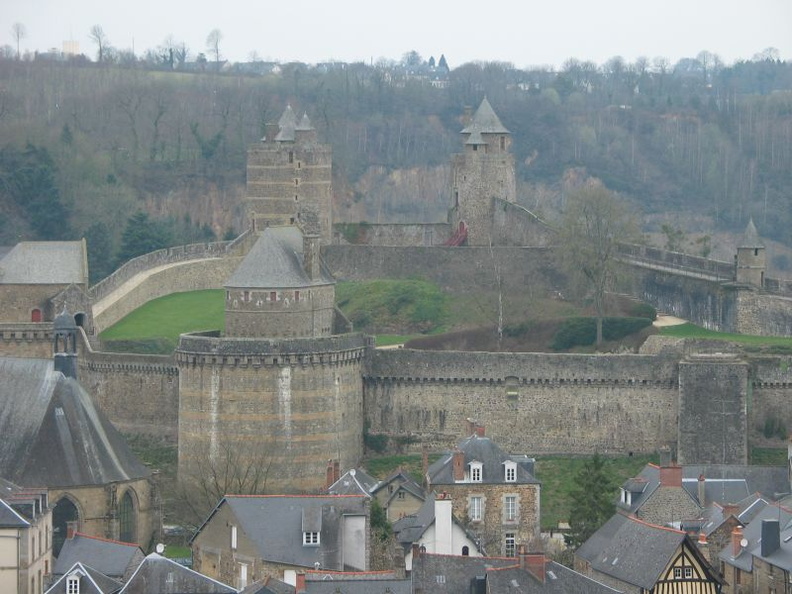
x,y
476,508
510,508
234,538
73,584
510,545
510,472
476,472
311,539
677,573
689,573
243,575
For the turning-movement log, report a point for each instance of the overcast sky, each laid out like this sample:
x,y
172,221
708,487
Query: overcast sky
x,y
523,32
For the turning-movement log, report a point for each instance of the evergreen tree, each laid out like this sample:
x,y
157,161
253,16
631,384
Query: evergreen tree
x,y
592,501
142,235
100,251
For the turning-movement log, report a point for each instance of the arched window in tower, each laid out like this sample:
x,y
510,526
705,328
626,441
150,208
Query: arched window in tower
x,y
35,315
64,513
126,519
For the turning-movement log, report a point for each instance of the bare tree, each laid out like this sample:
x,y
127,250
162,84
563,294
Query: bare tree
x,y
594,222
18,31
99,37
213,44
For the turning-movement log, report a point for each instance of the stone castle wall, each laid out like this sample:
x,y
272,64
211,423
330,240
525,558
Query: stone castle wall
x,y
26,340
539,403
514,225
402,234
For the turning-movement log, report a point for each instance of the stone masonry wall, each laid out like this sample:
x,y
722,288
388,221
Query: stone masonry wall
x,y
539,403
26,340
515,225
405,234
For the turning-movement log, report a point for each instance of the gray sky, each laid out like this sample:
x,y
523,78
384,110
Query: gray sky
x,y
526,33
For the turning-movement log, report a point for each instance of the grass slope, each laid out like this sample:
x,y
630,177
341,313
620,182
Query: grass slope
x,y
162,320
778,344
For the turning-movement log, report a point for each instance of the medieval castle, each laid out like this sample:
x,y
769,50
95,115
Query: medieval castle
x,y
289,386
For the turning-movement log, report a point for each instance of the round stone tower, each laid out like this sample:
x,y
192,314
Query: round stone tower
x,y
483,172
751,259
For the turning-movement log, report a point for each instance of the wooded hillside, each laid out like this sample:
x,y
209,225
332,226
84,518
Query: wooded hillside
x,y
696,146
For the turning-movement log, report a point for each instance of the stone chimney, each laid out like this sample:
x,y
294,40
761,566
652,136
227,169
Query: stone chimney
x,y
458,464
270,132
300,586
702,490
536,563
470,427
665,456
399,566
71,530
444,524
702,540
311,259
671,476
736,539
771,537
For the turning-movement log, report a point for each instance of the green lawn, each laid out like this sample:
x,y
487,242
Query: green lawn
x,y
693,331
163,319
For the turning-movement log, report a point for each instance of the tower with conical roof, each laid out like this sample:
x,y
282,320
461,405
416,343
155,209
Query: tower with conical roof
x,y
482,173
751,259
289,178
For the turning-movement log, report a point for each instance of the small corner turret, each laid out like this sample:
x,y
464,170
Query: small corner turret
x,y
64,344
751,258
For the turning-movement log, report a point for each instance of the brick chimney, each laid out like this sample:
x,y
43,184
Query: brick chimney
x,y
736,538
329,474
458,463
300,586
702,491
336,470
671,476
536,563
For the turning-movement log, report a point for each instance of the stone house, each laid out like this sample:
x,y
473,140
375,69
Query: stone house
x,y
634,557
494,494
398,494
25,538
246,538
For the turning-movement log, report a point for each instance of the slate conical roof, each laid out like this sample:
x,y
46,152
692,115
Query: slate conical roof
x,y
750,238
287,123
305,123
485,121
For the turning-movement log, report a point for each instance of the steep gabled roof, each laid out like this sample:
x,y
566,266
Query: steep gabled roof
x,y
455,572
92,581
9,518
157,574
112,558
275,525
633,551
287,123
558,580
355,481
45,263
53,433
276,261
485,121
486,451
752,533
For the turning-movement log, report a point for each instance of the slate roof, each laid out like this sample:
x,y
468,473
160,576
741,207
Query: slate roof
x,y
752,532
452,573
484,450
355,481
356,583
287,124
9,518
268,585
558,580
782,557
750,238
53,434
20,506
406,482
409,529
724,483
92,581
485,121
156,575
275,524
45,263
714,515
632,551
276,261
114,559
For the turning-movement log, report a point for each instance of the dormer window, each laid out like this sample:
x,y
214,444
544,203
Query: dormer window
x,y
475,472
311,539
510,471
233,538
73,584
626,497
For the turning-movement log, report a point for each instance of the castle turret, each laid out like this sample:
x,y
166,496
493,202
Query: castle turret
x,y
751,259
482,173
288,174
65,344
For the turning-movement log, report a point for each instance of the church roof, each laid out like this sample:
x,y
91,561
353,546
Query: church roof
x,y
45,263
750,238
276,261
485,121
53,434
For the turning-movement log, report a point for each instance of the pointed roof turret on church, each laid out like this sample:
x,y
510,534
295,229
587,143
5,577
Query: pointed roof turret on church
x,y
305,123
485,121
750,238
